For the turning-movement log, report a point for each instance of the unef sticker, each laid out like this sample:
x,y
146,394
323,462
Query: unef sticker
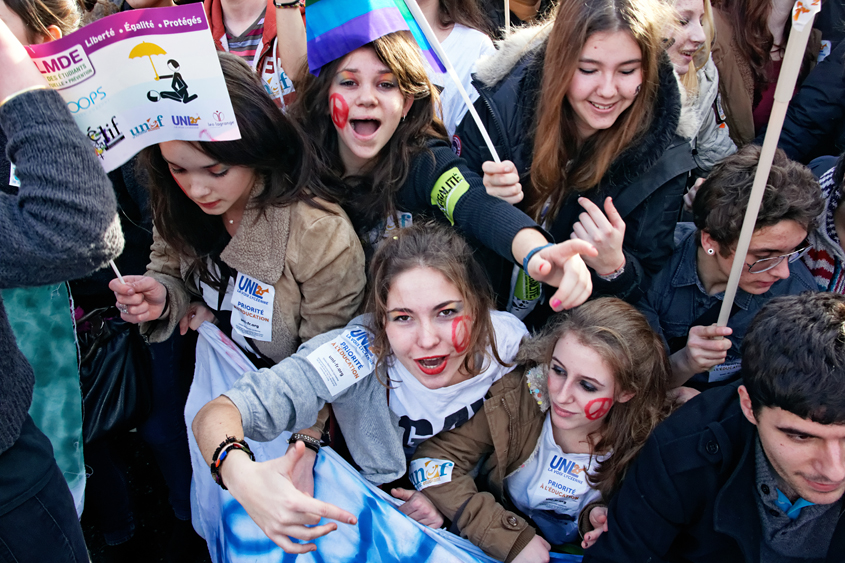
x,y
426,472
343,361
252,308
448,189
13,179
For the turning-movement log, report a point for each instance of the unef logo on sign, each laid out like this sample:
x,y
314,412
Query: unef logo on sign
x,y
426,472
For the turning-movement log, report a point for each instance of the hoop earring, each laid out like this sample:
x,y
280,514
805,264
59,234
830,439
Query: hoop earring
x,y
711,252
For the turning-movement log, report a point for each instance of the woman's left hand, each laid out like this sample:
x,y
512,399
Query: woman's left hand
x,y
561,266
598,520
419,507
605,231
197,314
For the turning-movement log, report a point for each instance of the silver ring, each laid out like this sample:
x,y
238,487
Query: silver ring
x,y
122,308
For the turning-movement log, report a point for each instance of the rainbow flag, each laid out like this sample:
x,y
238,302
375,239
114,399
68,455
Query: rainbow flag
x,y
335,28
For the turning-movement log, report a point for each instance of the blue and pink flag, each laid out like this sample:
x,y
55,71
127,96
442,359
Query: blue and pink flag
x,y
335,28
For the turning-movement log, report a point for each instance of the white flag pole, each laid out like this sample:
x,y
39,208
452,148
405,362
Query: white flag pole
x,y
507,17
802,18
116,271
450,70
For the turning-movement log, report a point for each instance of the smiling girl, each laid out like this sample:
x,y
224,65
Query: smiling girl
x,y
371,118
585,109
245,214
552,442
425,357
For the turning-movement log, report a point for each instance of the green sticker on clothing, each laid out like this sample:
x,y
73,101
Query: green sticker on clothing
x,y
447,190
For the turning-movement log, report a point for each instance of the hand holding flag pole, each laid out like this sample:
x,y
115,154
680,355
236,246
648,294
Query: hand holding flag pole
x,y
450,70
802,18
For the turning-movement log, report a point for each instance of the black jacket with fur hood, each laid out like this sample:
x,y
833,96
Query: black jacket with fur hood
x,y
646,181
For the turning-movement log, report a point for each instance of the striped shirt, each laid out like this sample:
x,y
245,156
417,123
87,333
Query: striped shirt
x,y
247,43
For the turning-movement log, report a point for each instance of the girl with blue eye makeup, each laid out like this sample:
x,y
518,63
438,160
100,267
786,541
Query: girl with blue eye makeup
x,y
587,116
554,437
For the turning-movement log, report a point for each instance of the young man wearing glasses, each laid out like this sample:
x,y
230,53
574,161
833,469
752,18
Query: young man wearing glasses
x,y
683,302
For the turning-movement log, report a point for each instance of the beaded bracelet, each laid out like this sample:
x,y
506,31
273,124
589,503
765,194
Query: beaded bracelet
x,y
310,442
222,452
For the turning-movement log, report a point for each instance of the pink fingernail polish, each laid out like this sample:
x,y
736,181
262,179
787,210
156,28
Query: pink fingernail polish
x,y
555,303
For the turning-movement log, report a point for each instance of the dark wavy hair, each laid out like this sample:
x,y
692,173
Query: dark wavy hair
x,y
464,12
621,335
370,198
793,357
271,144
792,193
441,248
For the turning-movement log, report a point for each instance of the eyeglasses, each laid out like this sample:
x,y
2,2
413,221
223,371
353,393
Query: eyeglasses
x,y
766,264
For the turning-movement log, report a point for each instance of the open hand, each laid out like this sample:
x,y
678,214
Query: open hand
x,y
605,231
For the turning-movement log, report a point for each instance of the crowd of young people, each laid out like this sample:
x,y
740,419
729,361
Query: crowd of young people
x,y
550,308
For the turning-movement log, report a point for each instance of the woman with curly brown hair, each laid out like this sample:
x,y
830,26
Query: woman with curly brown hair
x,y
554,439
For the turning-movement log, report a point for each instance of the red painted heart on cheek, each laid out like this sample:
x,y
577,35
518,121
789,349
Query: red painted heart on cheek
x,y
597,408
178,184
340,110
461,333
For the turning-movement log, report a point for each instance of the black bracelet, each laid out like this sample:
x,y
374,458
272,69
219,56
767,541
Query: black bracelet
x,y
294,4
222,452
310,442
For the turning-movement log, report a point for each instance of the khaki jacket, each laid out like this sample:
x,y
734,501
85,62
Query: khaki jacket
x,y
736,80
504,434
311,257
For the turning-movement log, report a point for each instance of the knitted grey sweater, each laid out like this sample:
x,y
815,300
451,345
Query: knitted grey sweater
x,y
62,224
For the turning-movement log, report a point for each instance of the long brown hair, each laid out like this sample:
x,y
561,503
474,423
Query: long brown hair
x,y
270,144
749,20
465,12
435,246
621,335
563,162
38,15
371,197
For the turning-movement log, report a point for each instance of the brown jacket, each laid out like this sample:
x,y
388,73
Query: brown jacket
x,y
505,432
311,257
736,80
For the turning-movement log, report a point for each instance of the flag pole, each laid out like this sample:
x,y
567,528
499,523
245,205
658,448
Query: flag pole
x,y
507,17
802,18
450,70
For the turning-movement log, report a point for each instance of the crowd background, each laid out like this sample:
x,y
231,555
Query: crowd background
x,y
587,203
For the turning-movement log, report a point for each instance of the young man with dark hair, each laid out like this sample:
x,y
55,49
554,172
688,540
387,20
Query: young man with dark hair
x,y
685,297
752,472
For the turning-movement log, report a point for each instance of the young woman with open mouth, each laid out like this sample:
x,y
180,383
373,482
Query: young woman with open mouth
x,y
554,437
421,362
371,117
585,112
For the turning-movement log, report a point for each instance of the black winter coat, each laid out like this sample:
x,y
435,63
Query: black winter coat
x,y
646,181
689,496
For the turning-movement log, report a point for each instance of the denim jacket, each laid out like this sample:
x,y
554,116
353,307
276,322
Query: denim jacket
x,y
677,298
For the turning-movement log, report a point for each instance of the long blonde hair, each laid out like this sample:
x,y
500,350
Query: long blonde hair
x,y
690,80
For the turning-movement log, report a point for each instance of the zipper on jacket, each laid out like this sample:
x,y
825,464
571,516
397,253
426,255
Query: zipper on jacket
x,y
497,123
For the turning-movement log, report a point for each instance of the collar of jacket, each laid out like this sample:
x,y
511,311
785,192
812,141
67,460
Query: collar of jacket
x,y
214,13
520,58
259,246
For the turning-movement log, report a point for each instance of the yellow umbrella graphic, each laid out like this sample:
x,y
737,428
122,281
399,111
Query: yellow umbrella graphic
x,y
145,49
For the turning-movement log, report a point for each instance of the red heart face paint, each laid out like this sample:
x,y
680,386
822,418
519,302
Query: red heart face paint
x,y
340,110
461,333
597,408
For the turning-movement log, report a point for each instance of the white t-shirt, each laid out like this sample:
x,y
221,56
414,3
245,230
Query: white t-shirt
x,y
464,47
424,412
551,487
